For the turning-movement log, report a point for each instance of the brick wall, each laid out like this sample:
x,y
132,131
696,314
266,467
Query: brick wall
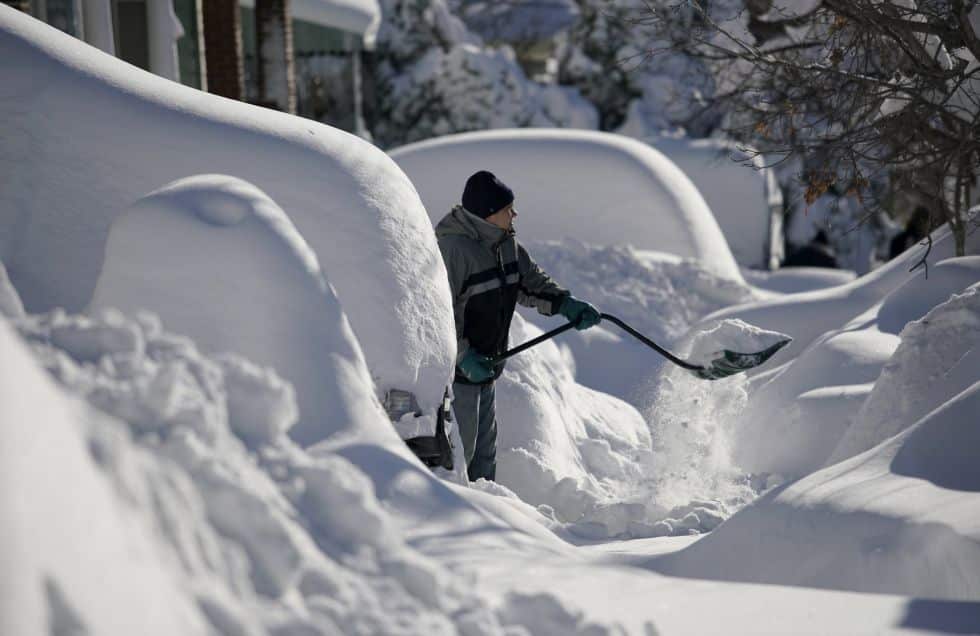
x,y
223,48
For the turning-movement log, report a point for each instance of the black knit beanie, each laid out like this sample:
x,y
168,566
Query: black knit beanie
x,y
485,194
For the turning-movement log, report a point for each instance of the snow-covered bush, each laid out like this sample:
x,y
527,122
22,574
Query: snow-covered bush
x,y
448,82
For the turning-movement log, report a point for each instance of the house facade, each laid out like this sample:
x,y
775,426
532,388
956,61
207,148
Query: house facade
x,y
300,56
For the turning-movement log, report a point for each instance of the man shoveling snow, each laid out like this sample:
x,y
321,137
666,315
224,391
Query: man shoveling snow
x,y
489,273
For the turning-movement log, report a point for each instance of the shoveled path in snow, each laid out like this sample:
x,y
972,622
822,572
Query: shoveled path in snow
x,y
497,544
611,591
599,581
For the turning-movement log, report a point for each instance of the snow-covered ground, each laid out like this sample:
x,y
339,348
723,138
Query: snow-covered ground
x,y
202,316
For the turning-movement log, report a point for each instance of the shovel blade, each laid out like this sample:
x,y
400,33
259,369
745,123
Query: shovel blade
x,y
732,362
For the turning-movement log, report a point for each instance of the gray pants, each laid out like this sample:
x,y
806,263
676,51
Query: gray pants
x,y
476,416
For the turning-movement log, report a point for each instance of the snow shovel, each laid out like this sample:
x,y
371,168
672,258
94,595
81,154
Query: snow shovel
x,y
727,364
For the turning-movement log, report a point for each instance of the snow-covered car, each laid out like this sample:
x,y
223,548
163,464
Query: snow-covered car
x,y
741,191
598,188
86,137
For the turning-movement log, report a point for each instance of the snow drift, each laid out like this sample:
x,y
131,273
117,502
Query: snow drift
x,y
178,504
808,315
52,495
818,402
899,517
218,260
659,294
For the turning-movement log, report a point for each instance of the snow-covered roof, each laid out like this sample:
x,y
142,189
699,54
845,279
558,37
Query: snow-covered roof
x,y
362,17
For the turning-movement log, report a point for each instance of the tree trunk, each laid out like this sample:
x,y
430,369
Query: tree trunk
x,y
276,73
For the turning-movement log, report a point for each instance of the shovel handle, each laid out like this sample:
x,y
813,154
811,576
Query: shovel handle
x,y
616,321
650,343
530,343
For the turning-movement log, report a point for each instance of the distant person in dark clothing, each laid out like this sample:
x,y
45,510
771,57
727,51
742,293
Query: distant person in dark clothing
x,y
915,230
816,253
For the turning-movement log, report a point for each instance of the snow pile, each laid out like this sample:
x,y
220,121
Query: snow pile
x,y
52,495
941,449
598,188
190,487
564,446
218,260
659,295
63,106
796,418
868,523
897,519
809,315
596,468
800,413
938,357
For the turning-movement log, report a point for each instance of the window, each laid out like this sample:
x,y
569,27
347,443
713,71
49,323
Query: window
x,y
188,47
64,15
131,32
249,58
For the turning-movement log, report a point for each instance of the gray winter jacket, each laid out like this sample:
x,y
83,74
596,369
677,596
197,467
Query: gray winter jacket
x,y
489,272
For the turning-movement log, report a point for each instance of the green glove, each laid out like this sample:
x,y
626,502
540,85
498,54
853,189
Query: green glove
x,y
475,366
579,313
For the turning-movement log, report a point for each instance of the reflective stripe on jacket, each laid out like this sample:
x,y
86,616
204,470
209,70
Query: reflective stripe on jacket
x,y
489,273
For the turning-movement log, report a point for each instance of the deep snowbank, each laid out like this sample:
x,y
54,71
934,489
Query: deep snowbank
x,y
902,516
817,402
52,495
198,513
806,316
63,105
219,261
598,188
658,294
938,357
566,446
